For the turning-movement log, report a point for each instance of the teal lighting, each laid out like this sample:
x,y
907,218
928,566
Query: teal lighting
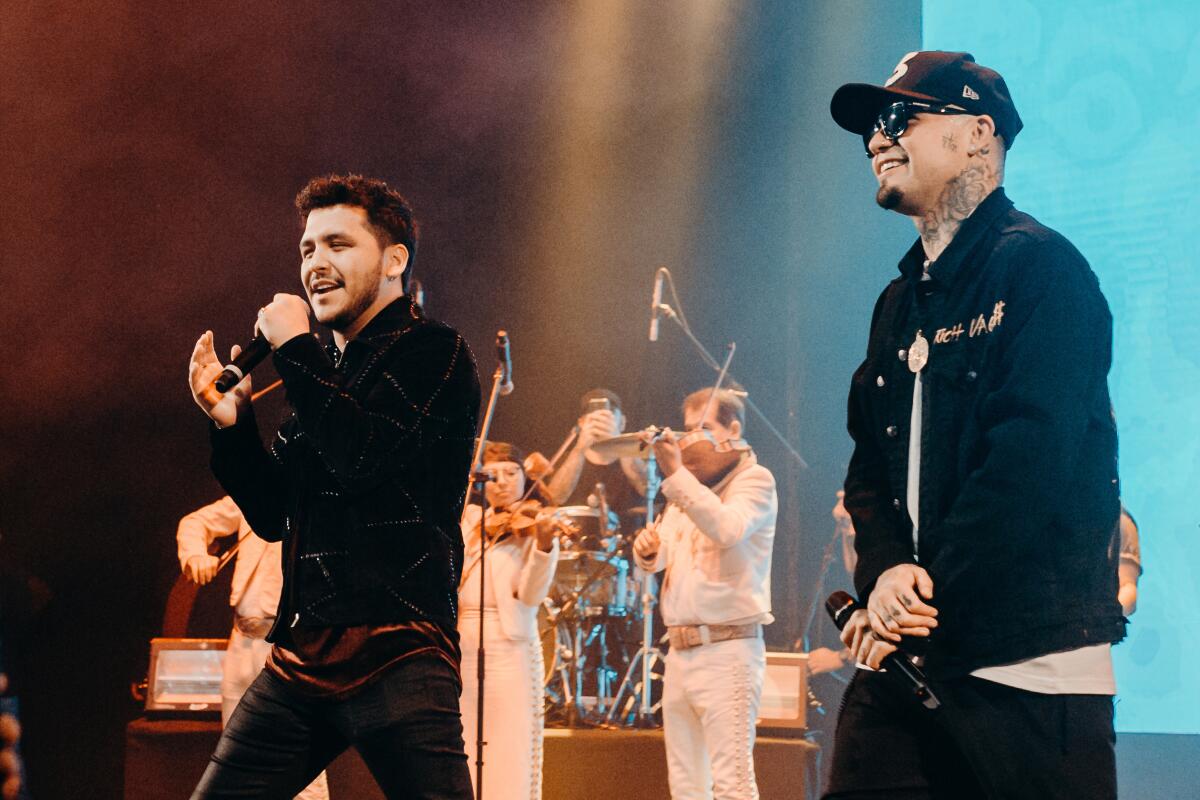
x,y
1110,156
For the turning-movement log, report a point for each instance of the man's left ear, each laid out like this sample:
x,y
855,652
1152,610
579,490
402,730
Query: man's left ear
x,y
396,261
735,429
983,134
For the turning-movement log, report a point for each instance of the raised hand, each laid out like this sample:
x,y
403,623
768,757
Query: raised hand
x,y
666,450
596,425
203,369
282,319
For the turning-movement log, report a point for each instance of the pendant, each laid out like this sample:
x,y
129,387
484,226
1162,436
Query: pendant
x,y
918,353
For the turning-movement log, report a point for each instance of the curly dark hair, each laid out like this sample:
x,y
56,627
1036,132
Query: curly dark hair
x,y
388,213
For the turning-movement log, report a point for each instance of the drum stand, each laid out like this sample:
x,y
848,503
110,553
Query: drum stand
x,y
647,655
574,630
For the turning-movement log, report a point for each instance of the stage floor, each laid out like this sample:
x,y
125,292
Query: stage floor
x,y
164,760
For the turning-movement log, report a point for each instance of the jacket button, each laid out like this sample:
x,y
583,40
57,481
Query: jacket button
x,y
896,503
879,381
972,375
892,431
903,354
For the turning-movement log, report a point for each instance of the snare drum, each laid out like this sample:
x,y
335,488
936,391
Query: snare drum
x,y
592,535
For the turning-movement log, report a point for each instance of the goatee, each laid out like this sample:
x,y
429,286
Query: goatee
x,y
888,198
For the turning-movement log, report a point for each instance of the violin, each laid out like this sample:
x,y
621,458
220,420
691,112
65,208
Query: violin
x,y
709,460
705,439
524,518
520,519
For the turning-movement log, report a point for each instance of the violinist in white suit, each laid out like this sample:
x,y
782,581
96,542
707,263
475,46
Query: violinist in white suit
x,y
713,543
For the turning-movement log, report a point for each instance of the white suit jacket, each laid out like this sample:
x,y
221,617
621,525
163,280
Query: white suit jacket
x,y
256,559
519,573
715,545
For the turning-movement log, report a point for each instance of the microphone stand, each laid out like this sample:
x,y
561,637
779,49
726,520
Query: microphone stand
x,y
479,480
707,357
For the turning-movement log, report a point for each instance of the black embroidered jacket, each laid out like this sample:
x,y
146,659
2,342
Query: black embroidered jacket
x,y
1018,471
365,480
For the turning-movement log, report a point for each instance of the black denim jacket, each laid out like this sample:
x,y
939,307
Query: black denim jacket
x,y
365,480
1018,486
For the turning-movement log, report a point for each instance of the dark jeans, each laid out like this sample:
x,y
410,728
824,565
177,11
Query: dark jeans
x,y
405,725
986,741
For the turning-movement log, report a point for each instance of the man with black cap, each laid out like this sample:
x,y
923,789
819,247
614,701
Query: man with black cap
x,y
983,484
584,475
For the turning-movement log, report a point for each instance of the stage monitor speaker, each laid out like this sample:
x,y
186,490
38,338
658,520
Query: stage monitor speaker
x,y
785,691
185,677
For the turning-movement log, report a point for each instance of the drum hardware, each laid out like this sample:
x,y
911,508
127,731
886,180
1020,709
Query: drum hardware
x,y
588,587
594,532
589,603
647,655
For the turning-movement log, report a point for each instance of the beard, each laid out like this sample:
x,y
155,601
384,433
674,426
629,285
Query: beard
x,y
357,304
889,198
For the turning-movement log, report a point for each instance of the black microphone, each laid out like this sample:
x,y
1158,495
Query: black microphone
x,y
840,606
655,302
250,357
504,355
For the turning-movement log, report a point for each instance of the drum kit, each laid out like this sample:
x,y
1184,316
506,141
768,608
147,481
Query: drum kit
x,y
597,621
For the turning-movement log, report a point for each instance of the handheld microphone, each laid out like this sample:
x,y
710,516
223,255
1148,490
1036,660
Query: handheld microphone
x,y
250,357
908,675
504,355
655,302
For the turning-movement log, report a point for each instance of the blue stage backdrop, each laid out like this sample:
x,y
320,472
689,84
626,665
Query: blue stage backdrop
x,y
1110,156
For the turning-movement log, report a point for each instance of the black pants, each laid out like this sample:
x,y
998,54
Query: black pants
x,y
405,725
986,741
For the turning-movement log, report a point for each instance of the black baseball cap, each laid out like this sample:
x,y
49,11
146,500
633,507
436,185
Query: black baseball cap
x,y
934,76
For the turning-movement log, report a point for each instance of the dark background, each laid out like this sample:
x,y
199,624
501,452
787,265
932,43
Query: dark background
x,y
556,154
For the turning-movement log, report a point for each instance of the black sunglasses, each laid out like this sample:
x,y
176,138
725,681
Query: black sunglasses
x,y
893,120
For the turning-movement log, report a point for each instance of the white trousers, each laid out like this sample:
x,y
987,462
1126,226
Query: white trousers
x,y
244,659
710,702
512,710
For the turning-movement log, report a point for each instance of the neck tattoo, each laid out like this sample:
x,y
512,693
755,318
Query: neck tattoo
x,y
961,195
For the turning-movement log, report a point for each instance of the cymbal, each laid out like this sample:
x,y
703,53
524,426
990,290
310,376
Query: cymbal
x,y
627,445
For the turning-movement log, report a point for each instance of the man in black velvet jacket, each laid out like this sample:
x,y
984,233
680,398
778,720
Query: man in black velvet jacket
x,y
364,484
983,484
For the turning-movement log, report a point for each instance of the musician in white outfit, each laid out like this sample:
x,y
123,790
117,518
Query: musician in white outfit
x,y
254,596
522,554
713,542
